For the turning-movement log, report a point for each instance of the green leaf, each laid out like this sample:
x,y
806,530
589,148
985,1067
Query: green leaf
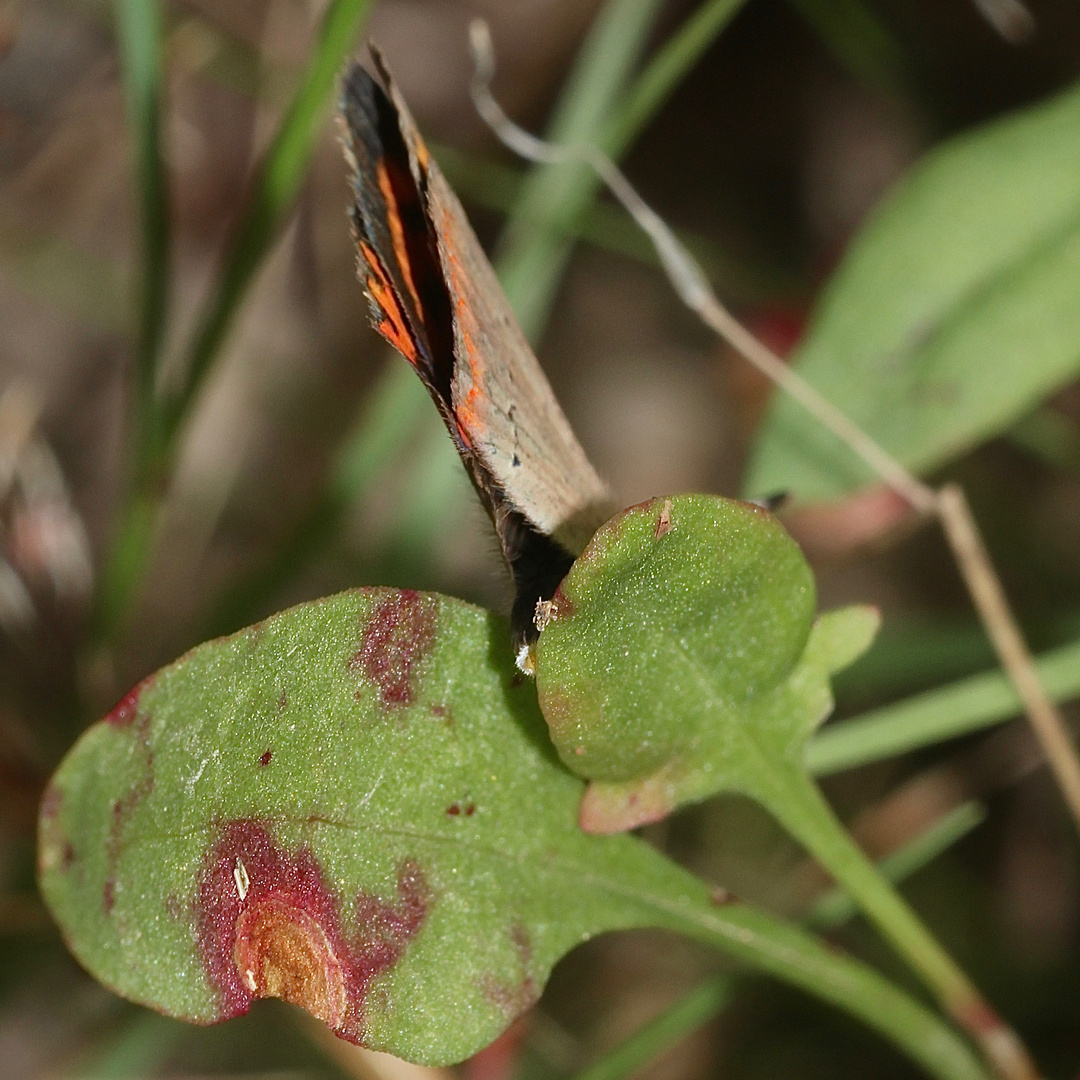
x,y
353,805
953,312
676,634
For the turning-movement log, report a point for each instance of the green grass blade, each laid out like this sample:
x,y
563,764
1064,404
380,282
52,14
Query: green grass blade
x,y
835,908
961,707
533,250
139,35
665,71
139,1047
853,34
669,1028
276,185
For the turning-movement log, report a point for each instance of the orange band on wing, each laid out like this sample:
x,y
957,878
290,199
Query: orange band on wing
x,y
397,233
466,410
392,325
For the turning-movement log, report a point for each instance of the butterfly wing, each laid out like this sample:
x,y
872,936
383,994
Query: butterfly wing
x,y
435,297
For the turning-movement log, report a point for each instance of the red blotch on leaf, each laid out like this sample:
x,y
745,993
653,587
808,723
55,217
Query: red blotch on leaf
x,y
397,636
269,926
265,756
123,713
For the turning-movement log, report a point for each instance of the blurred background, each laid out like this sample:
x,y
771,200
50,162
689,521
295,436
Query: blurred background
x,y
287,482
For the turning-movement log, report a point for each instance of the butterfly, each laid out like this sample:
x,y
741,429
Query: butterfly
x,y
435,297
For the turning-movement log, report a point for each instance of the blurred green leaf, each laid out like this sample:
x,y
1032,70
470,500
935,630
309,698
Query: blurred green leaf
x,y
932,717
952,314
353,806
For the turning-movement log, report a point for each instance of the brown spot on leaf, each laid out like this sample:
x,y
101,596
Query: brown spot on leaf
x,y
265,756
453,809
397,636
283,701
719,896
269,926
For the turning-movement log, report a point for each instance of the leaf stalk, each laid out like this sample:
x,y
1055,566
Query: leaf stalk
x,y
803,811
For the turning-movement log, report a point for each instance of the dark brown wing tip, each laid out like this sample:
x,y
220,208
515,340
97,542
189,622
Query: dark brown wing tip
x,y
380,65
